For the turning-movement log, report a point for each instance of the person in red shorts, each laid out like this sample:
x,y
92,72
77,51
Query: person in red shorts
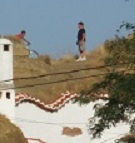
x,y
21,36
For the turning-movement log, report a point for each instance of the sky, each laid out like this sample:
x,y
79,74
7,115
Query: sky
x,y
52,25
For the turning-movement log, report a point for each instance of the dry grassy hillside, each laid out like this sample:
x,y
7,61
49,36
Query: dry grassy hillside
x,y
45,78
9,133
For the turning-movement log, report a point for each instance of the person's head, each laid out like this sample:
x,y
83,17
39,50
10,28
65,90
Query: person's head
x,y
23,32
81,25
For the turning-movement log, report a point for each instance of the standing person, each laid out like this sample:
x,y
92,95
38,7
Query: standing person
x,y
21,36
81,38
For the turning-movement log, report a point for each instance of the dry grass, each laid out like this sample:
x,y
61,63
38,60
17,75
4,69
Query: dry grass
x,y
48,88
45,58
9,133
97,56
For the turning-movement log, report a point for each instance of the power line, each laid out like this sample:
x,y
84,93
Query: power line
x,y
58,123
62,124
54,82
58,81
58,73
49,123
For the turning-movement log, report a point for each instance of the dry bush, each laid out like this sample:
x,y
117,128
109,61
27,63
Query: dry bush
x,y
66,59
9,133
96,57
45,58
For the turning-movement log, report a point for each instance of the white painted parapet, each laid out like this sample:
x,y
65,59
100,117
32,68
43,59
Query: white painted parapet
x,y
7,104
6,60
7,93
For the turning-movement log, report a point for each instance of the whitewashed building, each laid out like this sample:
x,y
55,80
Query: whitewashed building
x,y
7,93
59,122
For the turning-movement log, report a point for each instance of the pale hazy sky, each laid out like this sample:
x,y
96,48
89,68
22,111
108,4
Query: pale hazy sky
x,y
51,25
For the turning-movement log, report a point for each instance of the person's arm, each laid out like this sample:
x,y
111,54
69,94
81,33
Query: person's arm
x,y
81,41
83,37
26,41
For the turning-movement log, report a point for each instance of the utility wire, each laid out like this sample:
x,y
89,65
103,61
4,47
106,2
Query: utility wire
x,y
65,124
54,82
58,81
48,123
58,73
59,123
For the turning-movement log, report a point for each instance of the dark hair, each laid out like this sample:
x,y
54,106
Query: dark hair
x,y
23,31
81,23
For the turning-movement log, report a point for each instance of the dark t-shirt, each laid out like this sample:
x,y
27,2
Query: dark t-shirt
x,y
80,34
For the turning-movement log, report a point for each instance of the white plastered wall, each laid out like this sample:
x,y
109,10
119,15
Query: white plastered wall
x,y
7,105
6,60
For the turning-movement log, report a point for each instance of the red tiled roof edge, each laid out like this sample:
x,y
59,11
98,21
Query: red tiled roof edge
x,y
51,107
